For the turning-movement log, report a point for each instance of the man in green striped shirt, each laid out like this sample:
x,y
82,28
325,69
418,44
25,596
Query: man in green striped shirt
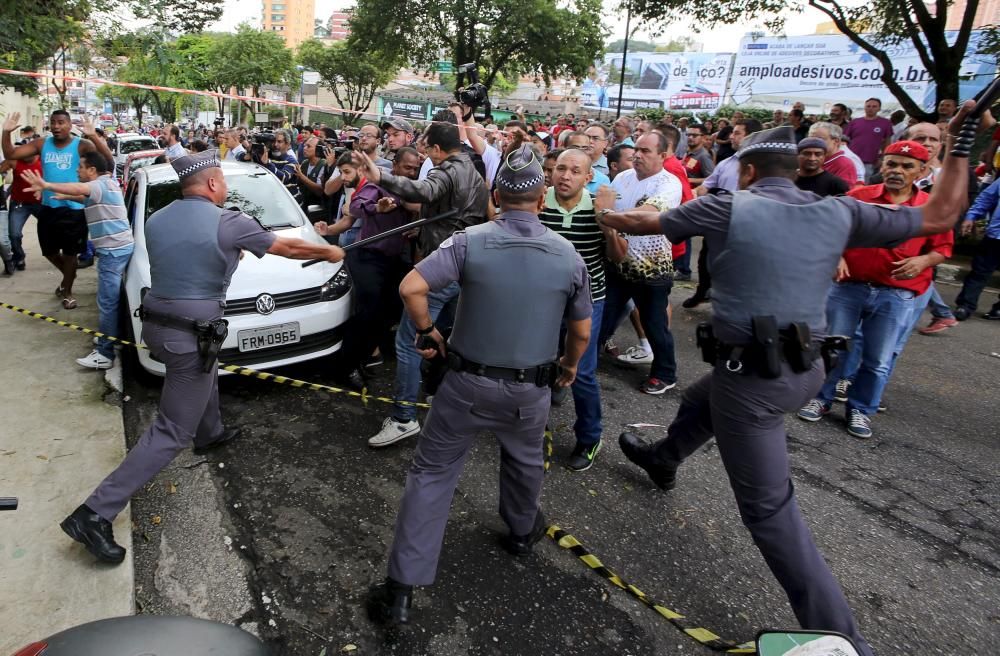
x,y
570,211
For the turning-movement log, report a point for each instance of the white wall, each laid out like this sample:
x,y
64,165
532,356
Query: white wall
x,y
14,101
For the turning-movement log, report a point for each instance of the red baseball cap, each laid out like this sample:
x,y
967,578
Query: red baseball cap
x,y
908,149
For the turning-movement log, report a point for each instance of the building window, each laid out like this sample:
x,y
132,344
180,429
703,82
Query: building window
x,y
278,18
277,7
278,28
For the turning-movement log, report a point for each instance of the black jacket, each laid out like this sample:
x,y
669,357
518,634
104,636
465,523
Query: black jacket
x,y
453,184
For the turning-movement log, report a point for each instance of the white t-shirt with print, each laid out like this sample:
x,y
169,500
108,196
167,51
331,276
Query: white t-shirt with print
x,y
647,254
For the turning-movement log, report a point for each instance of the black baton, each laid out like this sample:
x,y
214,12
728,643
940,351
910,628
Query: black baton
x,y
389,233
8,503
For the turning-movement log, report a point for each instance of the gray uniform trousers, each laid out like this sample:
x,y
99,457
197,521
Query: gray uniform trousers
x,y
746,414
464,406
188,413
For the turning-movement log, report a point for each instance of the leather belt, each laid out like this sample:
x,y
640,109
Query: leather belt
x,y
186,324
543,375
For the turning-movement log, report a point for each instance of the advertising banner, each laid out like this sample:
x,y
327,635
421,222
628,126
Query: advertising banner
x,y
408,109
689,81
824,69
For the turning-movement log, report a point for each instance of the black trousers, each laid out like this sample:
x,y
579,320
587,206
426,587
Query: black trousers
x,y
704,277
377,305
986,261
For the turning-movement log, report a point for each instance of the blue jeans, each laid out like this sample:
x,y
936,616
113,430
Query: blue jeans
x,y
939,309
683,263
109,285
651,300
586,391
407,358
853,359
349,236
18,216
882,313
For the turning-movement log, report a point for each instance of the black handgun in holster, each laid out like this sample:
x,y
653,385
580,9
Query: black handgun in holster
x,y
768,341
211,335
830,349
705,339
797,344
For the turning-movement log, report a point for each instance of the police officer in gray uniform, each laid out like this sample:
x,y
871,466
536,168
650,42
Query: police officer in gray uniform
x,y
194,247
502,363
773,252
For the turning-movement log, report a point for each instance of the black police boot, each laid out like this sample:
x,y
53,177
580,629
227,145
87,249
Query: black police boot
x,y
389,603
8,267
696,300
94,532
521,545
994,313
227,436
642,454
962,313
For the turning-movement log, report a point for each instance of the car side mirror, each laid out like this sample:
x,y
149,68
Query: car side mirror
x,y
804,643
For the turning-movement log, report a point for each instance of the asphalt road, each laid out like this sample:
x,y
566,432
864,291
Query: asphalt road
x,y
300,515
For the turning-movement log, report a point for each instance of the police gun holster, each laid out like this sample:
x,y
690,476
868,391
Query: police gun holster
x,y
210,334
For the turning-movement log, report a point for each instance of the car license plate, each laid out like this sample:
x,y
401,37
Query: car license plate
x,y
263,338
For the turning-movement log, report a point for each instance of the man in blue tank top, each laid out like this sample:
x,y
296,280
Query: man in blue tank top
x,y
62,227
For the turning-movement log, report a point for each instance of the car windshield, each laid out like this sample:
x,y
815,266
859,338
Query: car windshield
x,y
258,195
140,162
135,145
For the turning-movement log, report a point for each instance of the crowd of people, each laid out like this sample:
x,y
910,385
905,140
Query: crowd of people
x,y
613,208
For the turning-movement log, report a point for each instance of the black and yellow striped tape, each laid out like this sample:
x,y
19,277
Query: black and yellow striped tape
x,y
233,369
702,635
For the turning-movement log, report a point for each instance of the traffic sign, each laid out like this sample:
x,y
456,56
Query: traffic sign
x,y
445,67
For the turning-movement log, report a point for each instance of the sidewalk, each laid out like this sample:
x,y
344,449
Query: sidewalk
x,y
58,439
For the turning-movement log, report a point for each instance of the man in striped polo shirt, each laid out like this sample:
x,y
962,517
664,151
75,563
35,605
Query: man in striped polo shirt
x,y
111,233
569,211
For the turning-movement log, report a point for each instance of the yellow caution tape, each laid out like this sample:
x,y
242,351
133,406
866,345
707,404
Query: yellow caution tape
x,y
231,368
702,635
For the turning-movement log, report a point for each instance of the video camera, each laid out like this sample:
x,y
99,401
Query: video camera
x,y
262,141
339,146
475,94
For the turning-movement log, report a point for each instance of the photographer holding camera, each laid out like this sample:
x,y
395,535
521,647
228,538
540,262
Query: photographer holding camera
x,y
312,175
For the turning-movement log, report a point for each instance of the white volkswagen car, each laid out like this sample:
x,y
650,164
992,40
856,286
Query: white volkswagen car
x,y
279,313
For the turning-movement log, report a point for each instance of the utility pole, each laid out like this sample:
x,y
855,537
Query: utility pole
x,y
621,82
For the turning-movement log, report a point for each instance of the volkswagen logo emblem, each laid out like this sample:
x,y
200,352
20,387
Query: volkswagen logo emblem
x,y
265,304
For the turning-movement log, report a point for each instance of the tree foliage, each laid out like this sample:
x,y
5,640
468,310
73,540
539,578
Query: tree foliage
x,y
29,37
252,58
352,73
876,27
180,16
513,37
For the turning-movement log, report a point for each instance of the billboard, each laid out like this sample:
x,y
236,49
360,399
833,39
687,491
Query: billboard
x,y
689,81
820,70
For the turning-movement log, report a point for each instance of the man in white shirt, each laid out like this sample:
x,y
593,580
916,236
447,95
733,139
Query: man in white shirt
x,y
174,148
645,274
234,149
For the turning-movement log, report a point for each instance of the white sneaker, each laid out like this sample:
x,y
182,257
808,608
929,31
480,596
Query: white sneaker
x,y
636,355
394,431
95,361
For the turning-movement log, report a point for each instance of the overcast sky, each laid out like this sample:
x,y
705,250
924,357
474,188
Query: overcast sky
x,y
723,39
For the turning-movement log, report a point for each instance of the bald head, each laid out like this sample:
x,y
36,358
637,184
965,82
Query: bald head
x,y
927,135
575,156
208,183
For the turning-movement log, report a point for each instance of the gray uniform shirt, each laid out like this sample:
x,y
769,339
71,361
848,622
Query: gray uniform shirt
x,y
237,232
444,266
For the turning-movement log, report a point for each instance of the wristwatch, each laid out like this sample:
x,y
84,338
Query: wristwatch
x,y
603,213
426,331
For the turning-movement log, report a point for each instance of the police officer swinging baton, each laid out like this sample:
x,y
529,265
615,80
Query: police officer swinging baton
x,y
389,233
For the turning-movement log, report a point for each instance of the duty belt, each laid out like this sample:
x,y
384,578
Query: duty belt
x,y
544,375
210,334
771,346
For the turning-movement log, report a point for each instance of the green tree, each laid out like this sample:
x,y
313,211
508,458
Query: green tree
x,y
31,36
877,27
351,73
198,61
179,16
514,37
634,45
680,44
253,58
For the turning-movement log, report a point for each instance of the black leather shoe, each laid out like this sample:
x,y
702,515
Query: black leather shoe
x,y
962,313
521,545
694,301
94,532
8,267
640,453
227,436
993,314
389,603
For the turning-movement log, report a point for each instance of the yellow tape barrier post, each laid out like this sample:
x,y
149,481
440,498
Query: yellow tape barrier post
x,y
702,635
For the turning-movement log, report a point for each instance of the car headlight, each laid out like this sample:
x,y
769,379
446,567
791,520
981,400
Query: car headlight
x,y
336,287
